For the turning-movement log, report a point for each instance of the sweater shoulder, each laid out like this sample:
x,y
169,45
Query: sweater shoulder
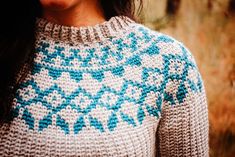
x,y
155,42
171,62
158,45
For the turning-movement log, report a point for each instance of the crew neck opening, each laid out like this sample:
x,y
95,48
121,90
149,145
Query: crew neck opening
x,y
73,35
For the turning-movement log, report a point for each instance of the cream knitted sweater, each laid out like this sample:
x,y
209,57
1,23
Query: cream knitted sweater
x,y
115,89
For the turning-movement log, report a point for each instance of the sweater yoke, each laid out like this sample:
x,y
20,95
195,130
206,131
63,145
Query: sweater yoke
x,y
115,89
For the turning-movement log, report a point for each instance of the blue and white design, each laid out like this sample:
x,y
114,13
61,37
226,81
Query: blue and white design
x,y
122,80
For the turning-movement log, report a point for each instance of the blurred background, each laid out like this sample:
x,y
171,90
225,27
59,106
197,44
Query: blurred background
x,y
207,28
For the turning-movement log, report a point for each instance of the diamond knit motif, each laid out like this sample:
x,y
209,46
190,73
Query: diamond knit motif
x,y
86,91
114,89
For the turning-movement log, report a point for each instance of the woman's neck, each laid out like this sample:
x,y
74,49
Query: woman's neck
x,y
85,13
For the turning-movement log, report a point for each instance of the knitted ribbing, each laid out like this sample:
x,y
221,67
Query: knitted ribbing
x,y
114,89
75,35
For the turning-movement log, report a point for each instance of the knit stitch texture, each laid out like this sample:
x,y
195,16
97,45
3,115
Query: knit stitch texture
x,y
114,89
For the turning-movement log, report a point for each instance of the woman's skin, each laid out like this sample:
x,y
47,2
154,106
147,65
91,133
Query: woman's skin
x,y
76,13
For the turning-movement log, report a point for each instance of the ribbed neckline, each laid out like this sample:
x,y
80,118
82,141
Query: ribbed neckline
x,y
73,34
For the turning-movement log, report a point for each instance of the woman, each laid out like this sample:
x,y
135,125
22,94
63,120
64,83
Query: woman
x,y
82,78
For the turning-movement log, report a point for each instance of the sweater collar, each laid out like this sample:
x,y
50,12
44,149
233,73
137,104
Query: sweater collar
x,y
71,34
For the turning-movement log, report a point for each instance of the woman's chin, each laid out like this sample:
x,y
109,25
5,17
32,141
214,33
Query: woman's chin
x,y
57,4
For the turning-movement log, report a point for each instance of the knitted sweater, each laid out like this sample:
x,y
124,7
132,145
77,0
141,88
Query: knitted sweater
x,y
114,89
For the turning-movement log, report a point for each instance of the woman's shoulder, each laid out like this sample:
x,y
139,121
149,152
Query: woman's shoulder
x,y
161,45
168,57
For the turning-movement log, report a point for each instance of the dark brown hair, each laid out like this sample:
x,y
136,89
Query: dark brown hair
x,y
17,40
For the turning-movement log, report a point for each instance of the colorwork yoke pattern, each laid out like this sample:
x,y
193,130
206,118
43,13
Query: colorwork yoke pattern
x,y
113,89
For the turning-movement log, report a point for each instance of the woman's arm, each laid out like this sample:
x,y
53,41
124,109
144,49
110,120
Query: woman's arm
x,y
183,128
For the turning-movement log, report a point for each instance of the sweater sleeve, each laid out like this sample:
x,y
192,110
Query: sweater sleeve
x,y
183,127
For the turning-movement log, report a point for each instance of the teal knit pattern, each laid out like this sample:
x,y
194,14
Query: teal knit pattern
x,y
108,79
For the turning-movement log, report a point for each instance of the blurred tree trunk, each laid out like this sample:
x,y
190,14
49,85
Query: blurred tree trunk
x,y
231,7
172,7
209,5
